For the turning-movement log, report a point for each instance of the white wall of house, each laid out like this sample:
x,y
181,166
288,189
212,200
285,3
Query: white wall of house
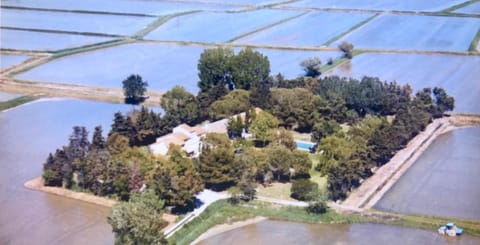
x,y
192,145
159,148
180,129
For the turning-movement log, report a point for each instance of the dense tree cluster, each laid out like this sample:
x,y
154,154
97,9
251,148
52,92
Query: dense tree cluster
x,y
358,124
113,168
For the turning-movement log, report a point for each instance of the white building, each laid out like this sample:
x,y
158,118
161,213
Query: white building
x,y
184,136
189,138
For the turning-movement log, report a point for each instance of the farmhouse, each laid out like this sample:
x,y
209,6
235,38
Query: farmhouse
x,y
189,138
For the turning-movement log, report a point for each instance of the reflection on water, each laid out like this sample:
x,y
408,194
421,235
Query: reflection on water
x,y
443,181
280,232
28,134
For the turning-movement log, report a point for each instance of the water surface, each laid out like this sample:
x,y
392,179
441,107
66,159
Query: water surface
x,y
7,60
280,232
22,40
405,5
118,6
444,181
75,22
28,134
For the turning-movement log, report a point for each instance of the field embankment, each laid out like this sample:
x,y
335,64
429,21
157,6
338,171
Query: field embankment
x,y
37,184
113,95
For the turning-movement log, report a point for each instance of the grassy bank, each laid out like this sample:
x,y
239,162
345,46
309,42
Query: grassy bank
x,y
17,101
223,212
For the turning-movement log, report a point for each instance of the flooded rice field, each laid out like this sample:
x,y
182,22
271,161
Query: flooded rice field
x,y
458,75
61,21
298,32
473,8
163,66
415,32
119,6
443,181
29,133
217,27
404,5
7,60
280,232
22,40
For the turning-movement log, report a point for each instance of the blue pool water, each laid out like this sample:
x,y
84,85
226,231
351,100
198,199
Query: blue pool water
x,y
304,145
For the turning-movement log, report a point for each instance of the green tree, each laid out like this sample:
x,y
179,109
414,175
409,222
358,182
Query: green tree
x,y
98,141
176,180
52,172
144,124
216,162
312,66
296,108
283,137
347,49
301,164
214,68
443,101
235,127
324,128
138,221
180,103
281,161
134,89
260,96
262,126
235,102
249,68
123,125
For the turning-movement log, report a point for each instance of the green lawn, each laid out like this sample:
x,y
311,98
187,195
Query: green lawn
x,y
282,190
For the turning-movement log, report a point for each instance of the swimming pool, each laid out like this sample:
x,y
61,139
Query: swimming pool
x,y
304,145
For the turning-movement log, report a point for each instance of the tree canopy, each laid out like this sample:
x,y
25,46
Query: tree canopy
x,y
134,89
138,221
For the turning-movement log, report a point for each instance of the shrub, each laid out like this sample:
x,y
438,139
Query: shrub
x,y
304,190
318,207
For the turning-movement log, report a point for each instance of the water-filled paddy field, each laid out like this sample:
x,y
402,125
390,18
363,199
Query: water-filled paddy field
x,y
443,181
22,40
458,75
280,232
118,6
415,32
7,60
217,27
163,66
74,22
404,5
29,133
473,8
312,29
